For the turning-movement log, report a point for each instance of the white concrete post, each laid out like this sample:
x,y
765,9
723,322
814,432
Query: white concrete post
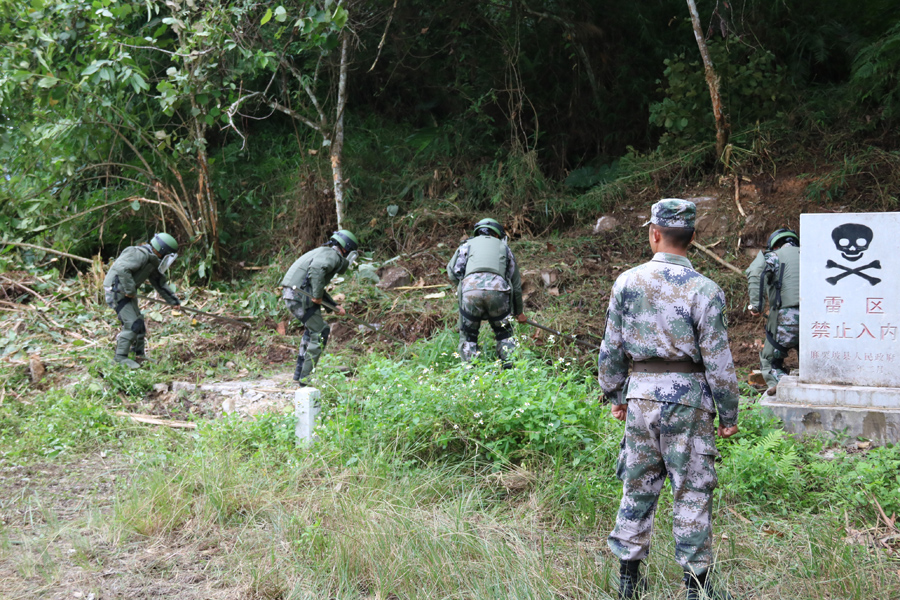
x,y
307,409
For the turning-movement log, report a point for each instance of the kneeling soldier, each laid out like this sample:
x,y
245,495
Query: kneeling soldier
x,y
311,273
134,266
490,288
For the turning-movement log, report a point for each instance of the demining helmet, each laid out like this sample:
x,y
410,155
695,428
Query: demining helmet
x,y
783,236
489,227
164,244
345,239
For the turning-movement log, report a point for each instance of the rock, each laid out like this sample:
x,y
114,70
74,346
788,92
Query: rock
x,y
709,226
36,368
230,365
368,273
394,277
183,386
161,388
605,223
756,379
228,405
550,277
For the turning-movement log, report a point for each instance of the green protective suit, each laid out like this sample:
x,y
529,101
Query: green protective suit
x,y
489,288
136,265
311,273
773,278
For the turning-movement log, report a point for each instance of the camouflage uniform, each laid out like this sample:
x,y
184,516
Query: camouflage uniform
x,y
766,281
131,269
311,273
486,295
665,310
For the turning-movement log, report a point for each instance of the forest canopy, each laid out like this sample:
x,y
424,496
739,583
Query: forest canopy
x,y
218,119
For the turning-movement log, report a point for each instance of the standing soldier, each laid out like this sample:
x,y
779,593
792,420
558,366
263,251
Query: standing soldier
x,y
776,273
490,287
311,273
134,266
667,323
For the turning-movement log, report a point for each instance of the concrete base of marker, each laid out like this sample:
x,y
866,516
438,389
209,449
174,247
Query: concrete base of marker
x,y
809,408
306,409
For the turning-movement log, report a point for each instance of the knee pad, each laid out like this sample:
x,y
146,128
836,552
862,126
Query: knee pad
x,y
138,327
469,333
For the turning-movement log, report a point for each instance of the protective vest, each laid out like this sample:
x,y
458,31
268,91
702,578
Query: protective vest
x,y
487,254
782,277
314,270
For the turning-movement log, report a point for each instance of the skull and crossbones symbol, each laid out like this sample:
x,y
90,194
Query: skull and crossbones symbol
x,y
852,240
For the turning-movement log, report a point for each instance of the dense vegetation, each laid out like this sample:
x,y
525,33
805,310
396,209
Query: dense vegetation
x,y
221,118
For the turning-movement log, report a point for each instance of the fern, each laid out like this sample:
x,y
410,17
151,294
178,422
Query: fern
x,y
876,73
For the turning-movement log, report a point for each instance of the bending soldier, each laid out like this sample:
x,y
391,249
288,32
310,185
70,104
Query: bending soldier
x,y
666,323
311,273
775,275
490,288
131,269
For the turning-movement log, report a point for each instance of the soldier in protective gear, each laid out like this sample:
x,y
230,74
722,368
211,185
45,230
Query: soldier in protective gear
x,y
490,288
775,275
131,269
311,273
666,367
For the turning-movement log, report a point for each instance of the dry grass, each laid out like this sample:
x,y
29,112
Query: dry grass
x,y
216,524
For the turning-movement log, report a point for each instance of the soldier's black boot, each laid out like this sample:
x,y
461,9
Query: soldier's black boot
x,y
631,584
700,587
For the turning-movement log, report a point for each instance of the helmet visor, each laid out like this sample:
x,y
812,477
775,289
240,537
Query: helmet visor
x,y
165,262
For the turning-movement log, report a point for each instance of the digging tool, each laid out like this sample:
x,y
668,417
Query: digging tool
x,y
352,318
560,334
199,312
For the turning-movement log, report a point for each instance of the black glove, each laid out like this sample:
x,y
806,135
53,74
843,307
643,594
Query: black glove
x,y
175,302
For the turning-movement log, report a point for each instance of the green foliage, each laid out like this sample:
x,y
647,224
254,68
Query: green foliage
x,y
763,465
57,423
876,75
269,437
752,85
440,408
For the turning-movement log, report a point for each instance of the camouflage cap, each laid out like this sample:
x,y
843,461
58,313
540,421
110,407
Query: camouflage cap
x,y
673,212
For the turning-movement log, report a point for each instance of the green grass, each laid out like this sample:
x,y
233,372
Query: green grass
x,y
429,480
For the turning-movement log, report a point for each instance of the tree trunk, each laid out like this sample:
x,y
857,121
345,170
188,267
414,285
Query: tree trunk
x,y
337,142
712,80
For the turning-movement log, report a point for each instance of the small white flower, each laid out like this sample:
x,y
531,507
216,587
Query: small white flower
x,y
455,426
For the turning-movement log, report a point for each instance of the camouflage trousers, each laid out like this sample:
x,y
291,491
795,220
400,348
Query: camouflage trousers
x,y
132,336
664,439
476,305
785,325
315,332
